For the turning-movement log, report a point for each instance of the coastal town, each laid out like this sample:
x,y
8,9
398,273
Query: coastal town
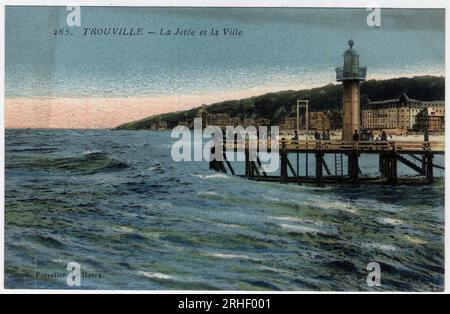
x,y
400,116
372,118
399,130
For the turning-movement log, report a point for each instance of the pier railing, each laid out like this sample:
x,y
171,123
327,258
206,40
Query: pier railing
x,y
339,146
390,153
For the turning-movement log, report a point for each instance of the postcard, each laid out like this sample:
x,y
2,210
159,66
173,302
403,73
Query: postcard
x,y
232,149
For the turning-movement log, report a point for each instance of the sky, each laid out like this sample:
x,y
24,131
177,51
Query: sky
x,y
81,79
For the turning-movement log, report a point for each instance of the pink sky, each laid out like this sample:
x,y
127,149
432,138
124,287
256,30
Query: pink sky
x,y
92,112
103,112
89,113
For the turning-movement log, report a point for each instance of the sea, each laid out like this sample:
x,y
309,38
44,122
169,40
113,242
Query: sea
x,y
115,204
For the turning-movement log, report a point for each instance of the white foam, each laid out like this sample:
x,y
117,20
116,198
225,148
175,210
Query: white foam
x,y
212,176
231,256
59,261
275,270
336,205
415,240
287,218
299,220
94,151
390,221
229,225
155,275
300,229
124,229
207,193
379,246
386,247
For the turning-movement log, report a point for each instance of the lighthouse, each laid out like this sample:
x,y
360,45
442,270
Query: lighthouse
x,y
351,74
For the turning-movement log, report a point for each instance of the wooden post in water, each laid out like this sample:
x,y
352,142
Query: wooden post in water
x,y
387,168
353,166
306,162
424,164
319,168
381,165
393,169
283,164
212,162
216,165
429,167
247,162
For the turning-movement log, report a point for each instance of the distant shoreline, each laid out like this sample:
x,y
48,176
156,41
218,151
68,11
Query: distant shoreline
x,y
110,112
336,137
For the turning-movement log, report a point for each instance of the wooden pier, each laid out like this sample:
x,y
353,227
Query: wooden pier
x,y
390,153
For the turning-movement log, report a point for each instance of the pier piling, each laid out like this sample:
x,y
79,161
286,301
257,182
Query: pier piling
x,y
353,167
429,167
389,154
319,168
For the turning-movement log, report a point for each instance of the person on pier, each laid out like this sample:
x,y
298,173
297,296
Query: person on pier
x,y
356,136
426,136
317,136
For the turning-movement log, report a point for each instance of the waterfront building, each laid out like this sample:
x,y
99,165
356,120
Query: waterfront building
x,y
290,123
221,120
159,125
399,113
317,120
431,120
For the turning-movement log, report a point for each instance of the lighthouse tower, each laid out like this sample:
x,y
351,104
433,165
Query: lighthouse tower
x,y
350,75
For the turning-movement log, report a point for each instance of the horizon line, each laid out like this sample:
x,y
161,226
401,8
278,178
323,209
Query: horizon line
x,y
111,112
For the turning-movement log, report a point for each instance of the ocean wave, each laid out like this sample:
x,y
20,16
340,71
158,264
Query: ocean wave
x,y
335,205
124,229
414,240
378,246
212,176
156,166
155,275
272,269
89,163
33,149
304,226
232,256
300,229
227,225
93,152
287,218
309,227
60,261
389,221
49,241
207,193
